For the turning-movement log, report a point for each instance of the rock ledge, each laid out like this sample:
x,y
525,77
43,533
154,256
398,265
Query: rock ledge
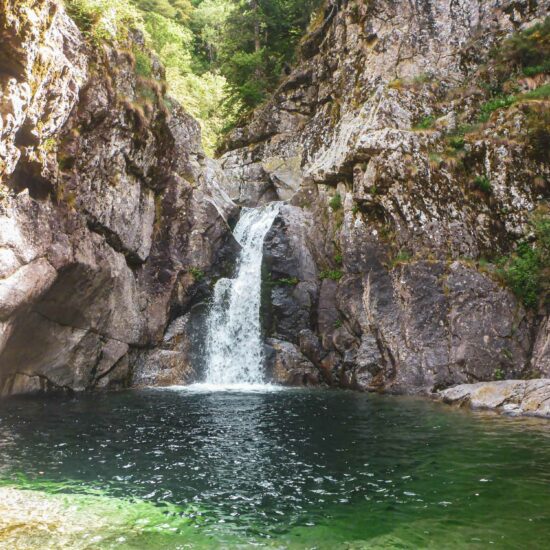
x,y
517,397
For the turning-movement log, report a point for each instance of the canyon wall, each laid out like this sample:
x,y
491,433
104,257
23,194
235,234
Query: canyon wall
x,y
405,178
112,221
404,185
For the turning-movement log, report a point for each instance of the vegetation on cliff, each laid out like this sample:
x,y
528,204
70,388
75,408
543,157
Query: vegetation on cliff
x,y
232,53
222,57
527,271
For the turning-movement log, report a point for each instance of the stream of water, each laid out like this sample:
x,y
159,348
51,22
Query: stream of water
x,y
234,353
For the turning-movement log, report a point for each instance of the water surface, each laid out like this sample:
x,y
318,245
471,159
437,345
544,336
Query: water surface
x,y
284,469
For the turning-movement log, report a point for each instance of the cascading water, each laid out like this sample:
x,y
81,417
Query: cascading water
x,y
234,354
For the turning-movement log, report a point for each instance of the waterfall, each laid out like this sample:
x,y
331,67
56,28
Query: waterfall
x,y
234,353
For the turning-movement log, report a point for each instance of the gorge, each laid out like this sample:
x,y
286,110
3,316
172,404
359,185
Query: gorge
x,y
200,344
381,271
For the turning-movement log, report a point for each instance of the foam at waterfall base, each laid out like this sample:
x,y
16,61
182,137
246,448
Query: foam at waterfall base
x,y
203,387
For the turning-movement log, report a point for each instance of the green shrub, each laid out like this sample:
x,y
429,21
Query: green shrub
x,y
483,184
338,259
338,323
288,281
537,69
336,202
483,263
332,274
528,50
457,142
521,274
143,64
542,92
499,102
198,274
425,123
527,270
49,144
101,20
402,256
498,374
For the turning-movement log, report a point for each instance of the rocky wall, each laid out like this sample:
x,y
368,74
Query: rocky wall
x,y
381,271
112,221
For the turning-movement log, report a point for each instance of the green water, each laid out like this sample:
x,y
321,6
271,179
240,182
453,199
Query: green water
x,y
287,469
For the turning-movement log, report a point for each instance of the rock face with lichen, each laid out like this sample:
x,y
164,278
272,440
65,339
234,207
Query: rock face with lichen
x,y
112,221
404,185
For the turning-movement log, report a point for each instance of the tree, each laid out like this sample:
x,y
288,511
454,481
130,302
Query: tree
x,y
259,38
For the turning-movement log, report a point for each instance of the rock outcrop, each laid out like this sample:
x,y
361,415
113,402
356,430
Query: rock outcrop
x,y
517,397
112,221
400,187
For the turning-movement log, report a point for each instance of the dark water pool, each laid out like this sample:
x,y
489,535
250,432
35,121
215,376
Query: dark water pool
x,y
285,469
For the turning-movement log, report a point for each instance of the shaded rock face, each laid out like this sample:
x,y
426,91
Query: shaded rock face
x,y
374,271
112,222
418,326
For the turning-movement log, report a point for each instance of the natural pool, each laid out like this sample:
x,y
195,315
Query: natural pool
x,y
285,469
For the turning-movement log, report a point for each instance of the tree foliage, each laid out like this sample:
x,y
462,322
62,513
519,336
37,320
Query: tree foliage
x,y
259,39
222,57
527,271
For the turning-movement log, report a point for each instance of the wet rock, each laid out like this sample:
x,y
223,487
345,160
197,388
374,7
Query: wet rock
x,y
290,292
287,366
167,364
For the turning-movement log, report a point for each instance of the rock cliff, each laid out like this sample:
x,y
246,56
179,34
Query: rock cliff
x,y
112,221
409,155
406,177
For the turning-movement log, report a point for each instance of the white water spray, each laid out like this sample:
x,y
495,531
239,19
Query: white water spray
x,y
234,354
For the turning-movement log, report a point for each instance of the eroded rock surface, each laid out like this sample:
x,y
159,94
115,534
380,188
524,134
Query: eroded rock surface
x,y
112,222
376,272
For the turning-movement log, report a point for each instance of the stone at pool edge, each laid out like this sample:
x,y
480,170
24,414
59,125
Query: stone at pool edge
x,y
517,397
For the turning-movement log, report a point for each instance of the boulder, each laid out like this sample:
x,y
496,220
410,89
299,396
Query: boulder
x,y
287,366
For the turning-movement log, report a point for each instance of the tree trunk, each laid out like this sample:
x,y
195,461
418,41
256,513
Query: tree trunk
x,y
255,9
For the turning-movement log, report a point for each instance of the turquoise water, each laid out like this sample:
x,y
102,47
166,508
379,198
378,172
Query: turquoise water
x,y
284,469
